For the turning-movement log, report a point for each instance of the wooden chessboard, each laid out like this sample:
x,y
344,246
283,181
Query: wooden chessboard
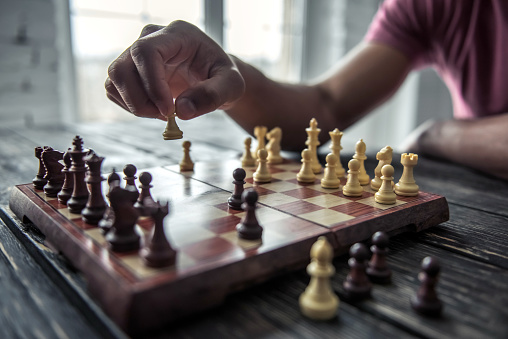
x,y
212,262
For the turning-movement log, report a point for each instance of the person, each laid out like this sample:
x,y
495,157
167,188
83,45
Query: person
x,y
464,41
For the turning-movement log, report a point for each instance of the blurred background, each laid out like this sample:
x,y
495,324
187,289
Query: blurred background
x,y
54,55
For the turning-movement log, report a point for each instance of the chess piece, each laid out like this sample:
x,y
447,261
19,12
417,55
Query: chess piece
x,y
235,200
158,251
260,133
426,301
95,206
357,285
306,174
352,188
359,155
122,236
130,179
312,145
68,185
51,160
39,180
249,228
273,146
378,270
385,194
79,196
336,147
319,302
107,220
145,200
247,159
330,179
385,158
172,131
262,173
186,164
407,185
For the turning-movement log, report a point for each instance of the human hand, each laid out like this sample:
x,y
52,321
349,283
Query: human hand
x,y
179,62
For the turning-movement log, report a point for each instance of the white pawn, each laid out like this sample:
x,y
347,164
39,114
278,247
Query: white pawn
x,y
360,156
318,301
186,164
385,158
273,146
260,133
262,173
306,175
330,179
407,185
385,194
247,159
352,188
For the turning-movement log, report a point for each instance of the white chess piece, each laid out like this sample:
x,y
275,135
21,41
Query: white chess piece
x,y
352,188
335,146
360,156
407,185
385,158
330,179
385,194
262,173
247,159
306,175
186,164
273,146
312,144
318,301
260,133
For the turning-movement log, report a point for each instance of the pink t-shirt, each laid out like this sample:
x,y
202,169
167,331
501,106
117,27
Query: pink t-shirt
x,y
466,41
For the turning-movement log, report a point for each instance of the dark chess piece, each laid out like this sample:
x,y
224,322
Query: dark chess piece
x,y
79,195
426,301
158,251
39,180
122,236
68,185
249,227
145,200
378,270
130,177
357,285
95,206
54,175
107,220
235,200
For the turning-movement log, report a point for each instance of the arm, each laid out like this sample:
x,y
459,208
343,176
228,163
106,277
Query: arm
x,y
480,143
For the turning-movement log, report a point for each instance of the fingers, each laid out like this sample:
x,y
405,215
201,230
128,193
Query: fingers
x,y
149,29
225,86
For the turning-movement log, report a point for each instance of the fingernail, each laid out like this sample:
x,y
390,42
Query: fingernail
x,y
186,109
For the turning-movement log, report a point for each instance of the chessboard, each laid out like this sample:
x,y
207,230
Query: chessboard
x,y
212,261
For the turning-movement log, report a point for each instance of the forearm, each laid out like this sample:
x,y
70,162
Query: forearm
x,y
481,143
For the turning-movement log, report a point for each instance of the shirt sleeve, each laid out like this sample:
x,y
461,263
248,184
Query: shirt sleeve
x,y
404,25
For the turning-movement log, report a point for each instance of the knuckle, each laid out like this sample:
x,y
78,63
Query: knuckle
x,y
141,50
149,29
113,70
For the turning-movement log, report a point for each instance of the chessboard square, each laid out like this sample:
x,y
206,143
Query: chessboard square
x,y
370,201
225,207
265,215
81,224
275,169
365,195
326,217
96,234
56,204
183,236
262,190
300,184
299,207
318,187
327,200
213,198
138,267
232,237
276,199
68,215
210,249
280,186
355,209
222,225
284,175
303,193
198,215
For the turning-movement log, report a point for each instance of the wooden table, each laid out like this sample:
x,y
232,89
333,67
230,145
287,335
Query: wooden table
x,y
42,295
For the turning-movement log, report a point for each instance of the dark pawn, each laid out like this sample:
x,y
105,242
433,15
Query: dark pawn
x,y
357,285
235,200
122,236
68,185
426,301
145,200
130,177
249,227
54,175
158,251
108,218
79,195
95,206
39,181
378,270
